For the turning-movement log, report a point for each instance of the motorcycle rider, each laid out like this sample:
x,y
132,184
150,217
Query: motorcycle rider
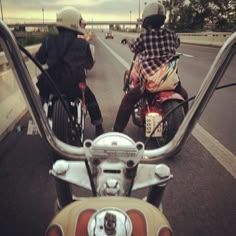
x,y
76,52
156,47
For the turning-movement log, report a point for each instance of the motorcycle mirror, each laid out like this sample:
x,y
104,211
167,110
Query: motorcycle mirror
x,y
124,41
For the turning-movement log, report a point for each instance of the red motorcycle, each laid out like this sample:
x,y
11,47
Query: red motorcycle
x,y
160,112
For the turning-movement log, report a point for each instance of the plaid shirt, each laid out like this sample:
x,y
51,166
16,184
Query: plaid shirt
x,y
155,48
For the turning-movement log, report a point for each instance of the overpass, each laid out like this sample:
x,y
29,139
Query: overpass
x,y
20,30
51,24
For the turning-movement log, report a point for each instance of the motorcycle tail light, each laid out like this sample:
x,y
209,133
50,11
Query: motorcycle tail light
x,y
165,232
54,230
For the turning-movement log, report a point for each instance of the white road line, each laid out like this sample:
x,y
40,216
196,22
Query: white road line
x,y
226,158
187,55
120,59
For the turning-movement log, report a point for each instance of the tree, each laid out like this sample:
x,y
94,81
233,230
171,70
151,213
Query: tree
x,y
199,14
202,12
225,17
173,7
184,19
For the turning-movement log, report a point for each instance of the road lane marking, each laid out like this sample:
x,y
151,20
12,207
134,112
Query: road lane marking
x,y
226,158
217,150
187,55
120,59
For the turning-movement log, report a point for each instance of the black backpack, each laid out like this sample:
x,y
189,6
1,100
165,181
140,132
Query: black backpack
x,y
62,74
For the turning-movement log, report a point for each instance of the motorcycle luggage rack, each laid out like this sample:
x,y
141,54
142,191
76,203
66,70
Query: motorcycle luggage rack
x,y
212,79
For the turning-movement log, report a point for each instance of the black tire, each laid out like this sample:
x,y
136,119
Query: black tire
x,y
61,127
174,119
60,123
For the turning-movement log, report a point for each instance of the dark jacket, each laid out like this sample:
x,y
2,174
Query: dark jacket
x,y
78,53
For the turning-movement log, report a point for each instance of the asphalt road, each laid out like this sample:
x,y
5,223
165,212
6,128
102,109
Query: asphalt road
x,y
199,201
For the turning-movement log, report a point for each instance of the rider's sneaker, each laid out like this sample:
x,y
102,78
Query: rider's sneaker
x,y
99,130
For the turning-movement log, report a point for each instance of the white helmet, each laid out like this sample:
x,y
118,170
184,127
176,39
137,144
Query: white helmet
x,y
70,18
154,14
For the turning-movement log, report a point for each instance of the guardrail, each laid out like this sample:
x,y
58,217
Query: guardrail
x,y
205,38
12,103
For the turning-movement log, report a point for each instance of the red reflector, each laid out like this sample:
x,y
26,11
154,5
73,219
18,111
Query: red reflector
x,y
165,232
54,230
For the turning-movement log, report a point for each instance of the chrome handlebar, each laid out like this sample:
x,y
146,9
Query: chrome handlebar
x,y
202,98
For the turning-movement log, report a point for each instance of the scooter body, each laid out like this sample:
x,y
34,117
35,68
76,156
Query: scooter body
x,y
116,171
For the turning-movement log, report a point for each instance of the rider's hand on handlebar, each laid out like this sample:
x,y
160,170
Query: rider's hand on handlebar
x,y
124,41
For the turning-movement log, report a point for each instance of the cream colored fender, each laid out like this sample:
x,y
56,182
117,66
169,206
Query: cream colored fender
x,y
133,216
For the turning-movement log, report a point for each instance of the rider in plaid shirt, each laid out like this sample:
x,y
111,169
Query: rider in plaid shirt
x,y
156,47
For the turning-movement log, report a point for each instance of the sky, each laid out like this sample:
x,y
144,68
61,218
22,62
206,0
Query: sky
x,y
20,11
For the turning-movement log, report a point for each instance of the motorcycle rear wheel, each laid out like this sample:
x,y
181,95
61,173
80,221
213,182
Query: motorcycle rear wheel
x,y
63,128
60,125
173,120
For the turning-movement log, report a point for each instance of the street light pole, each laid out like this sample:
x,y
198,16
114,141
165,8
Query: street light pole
x,y
1,8
138,9
43,15
138,15
130,18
